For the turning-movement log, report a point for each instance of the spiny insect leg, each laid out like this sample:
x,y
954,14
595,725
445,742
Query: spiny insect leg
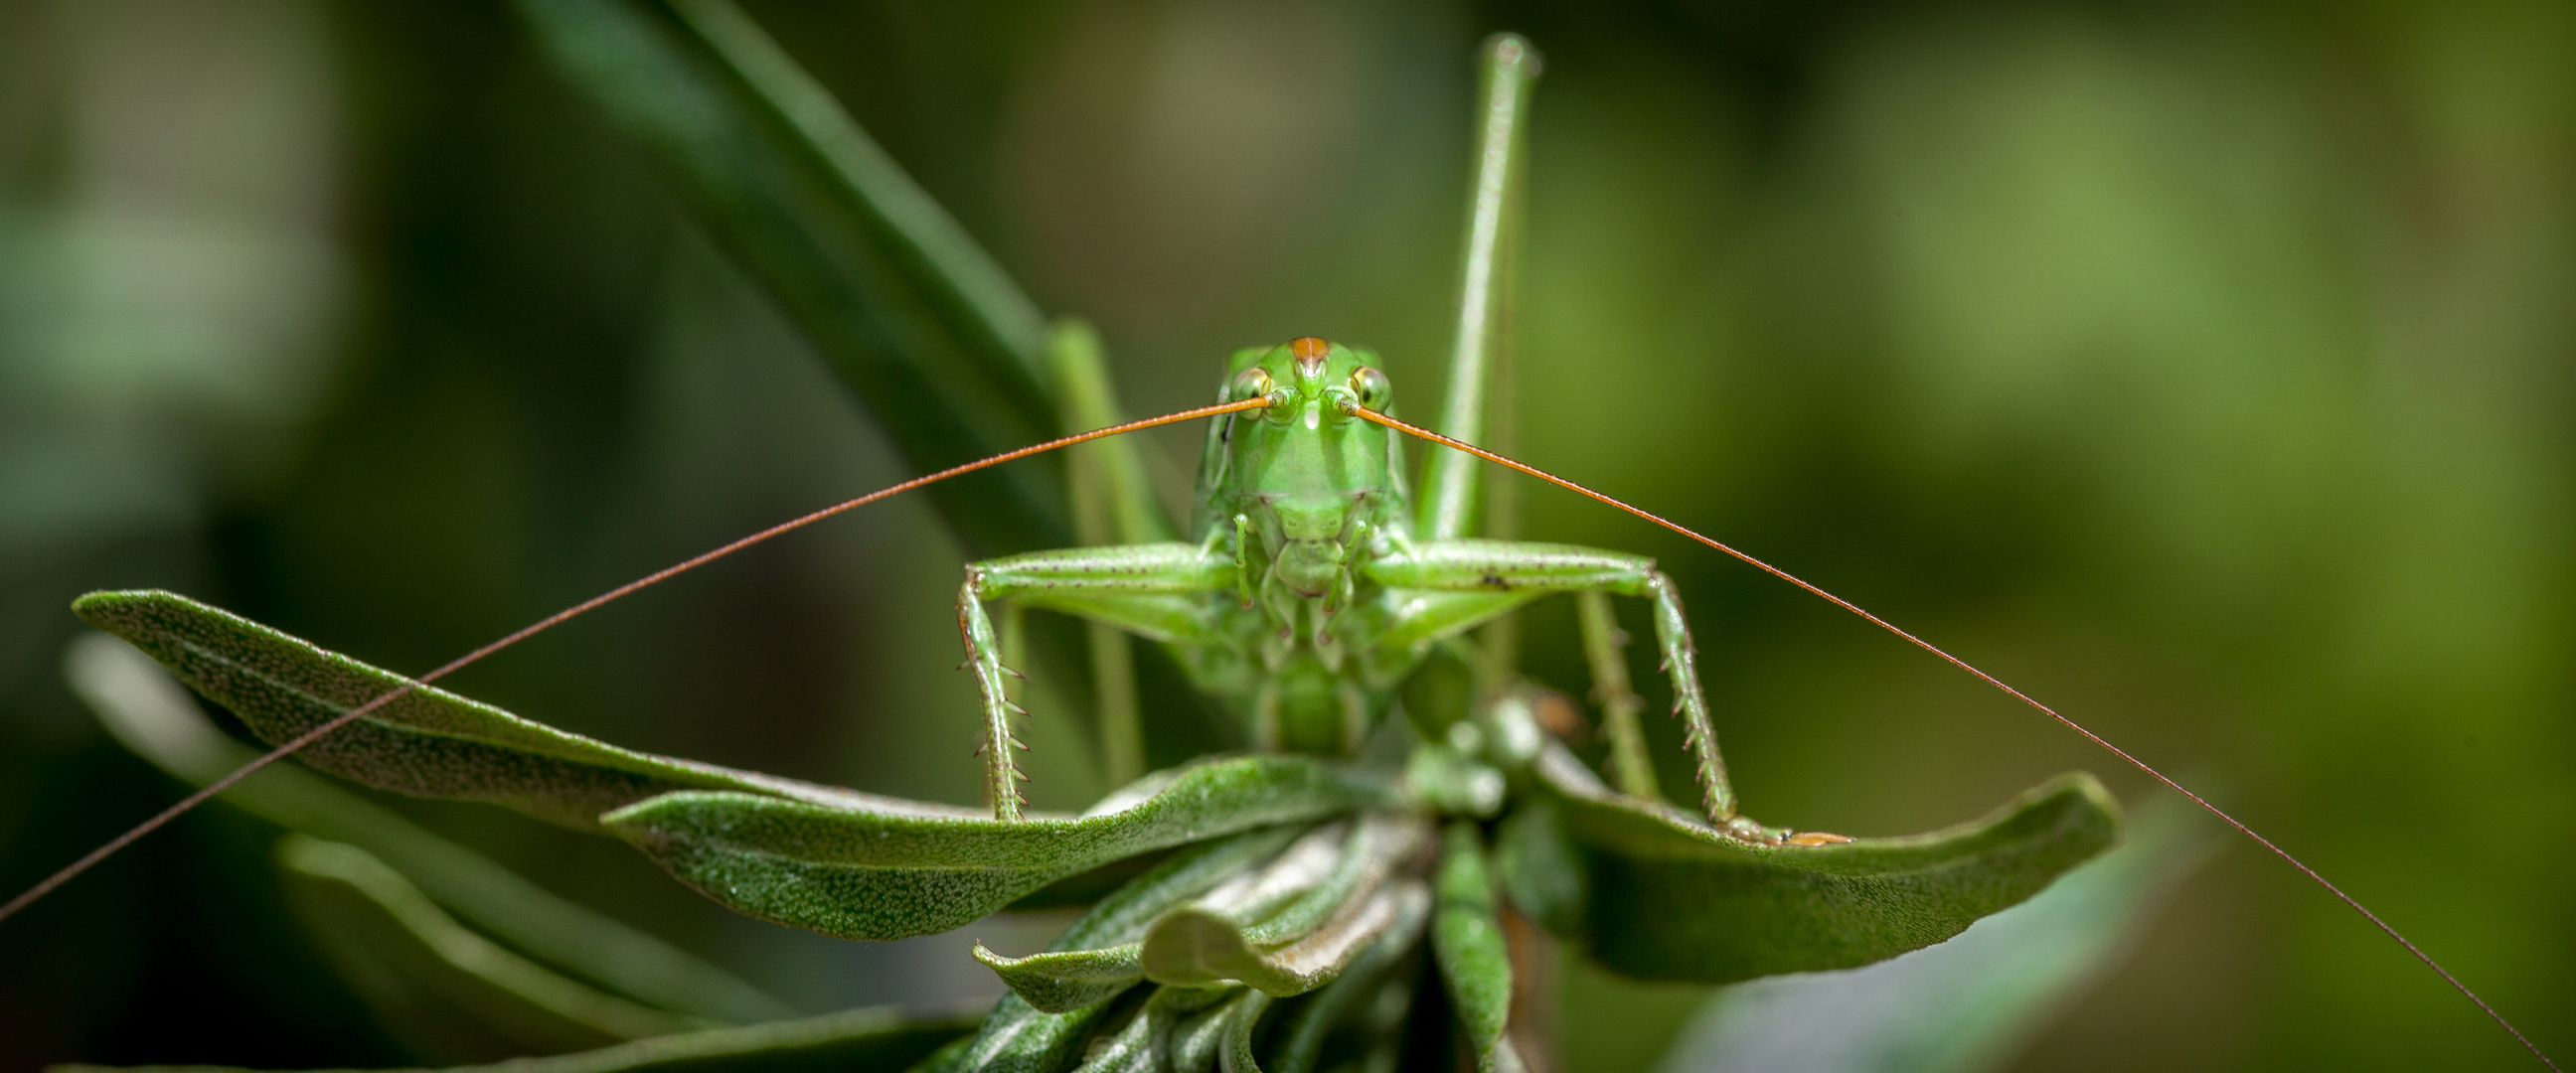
x,y
1681,663
984,657
1484,578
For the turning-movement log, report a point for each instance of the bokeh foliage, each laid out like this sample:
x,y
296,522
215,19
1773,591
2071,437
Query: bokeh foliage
x,y
2198,368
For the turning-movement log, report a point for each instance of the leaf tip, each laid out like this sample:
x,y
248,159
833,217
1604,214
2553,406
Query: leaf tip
x,y
109,608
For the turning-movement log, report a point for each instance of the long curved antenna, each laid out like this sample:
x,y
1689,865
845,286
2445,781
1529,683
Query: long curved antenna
x,y
1998,683
532,629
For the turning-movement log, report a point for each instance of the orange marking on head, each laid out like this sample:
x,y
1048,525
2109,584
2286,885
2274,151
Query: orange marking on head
x,y
1817,838
1310,353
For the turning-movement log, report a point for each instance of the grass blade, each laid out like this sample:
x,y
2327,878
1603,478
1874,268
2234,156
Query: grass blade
x,y
943,349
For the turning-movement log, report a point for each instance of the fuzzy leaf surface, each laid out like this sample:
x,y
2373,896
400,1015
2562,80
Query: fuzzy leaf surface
x,y
1098,956
1668,898
867,873
1020,1037
429,743
1293,927
1969,1003
1467,939
1197,950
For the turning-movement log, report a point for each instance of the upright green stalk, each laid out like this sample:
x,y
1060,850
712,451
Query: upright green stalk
x,y
1493,243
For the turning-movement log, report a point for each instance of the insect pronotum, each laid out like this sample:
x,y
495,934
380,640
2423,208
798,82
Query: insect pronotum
x,y
1303,517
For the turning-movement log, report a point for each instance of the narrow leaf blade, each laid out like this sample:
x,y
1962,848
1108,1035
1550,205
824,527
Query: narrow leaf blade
x,y
1965,1004
863,873
938,343
437,984
1062,980
429,743
1467,939
144,709
1302,938
1668,898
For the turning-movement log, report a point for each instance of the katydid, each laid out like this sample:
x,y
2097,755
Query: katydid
x,y
1312,586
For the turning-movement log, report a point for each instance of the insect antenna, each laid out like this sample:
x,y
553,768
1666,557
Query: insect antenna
x,y
208,791
1991,680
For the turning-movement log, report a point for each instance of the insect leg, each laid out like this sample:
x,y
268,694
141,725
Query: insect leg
x,y
984,657
1602,645
1502,575
1159,591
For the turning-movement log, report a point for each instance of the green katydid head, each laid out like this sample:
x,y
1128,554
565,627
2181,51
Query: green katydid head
x,y
1305,469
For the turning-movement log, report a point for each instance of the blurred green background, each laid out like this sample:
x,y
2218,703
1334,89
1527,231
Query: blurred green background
x,y
2200,368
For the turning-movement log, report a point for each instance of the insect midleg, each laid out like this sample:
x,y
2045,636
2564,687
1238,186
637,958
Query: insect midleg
x,y
1509,573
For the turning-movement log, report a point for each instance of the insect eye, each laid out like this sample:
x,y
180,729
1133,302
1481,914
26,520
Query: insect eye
x,y
1252,383
1371,386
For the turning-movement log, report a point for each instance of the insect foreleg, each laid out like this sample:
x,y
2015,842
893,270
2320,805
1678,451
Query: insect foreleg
x,y
1510,573
1154,590
984,657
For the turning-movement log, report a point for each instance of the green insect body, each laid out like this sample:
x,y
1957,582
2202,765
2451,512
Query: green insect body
x,y
1314,591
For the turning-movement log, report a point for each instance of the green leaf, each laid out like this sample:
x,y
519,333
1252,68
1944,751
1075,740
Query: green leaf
x,y
1967,1003
1357,992
1467,939
1019,1036
1234,1049
1153,1033
146,711
853,1041
1671,899
1196,1039
1058,981
1098,958
1082,890
1542,869
942,347
1219,955
1292,927
442,987
429,743
870,873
